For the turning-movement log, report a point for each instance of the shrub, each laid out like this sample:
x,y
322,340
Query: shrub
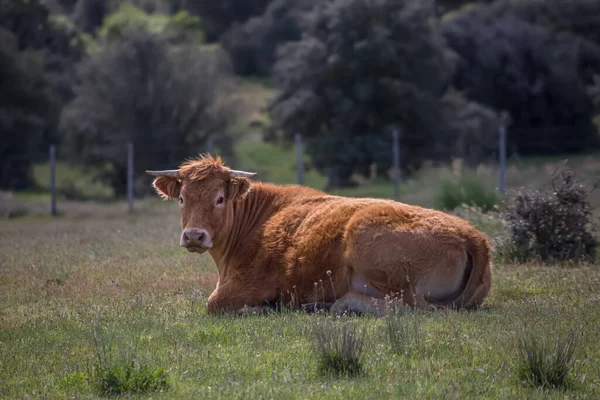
x,y
545,364
555,226
465,188
339,348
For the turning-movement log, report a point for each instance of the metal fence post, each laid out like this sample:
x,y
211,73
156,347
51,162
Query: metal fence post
x,y
53,180
502,150
299,160
396,170
130,175
209,145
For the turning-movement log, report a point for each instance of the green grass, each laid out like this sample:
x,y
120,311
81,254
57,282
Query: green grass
x,y
466,188
63,279
71,183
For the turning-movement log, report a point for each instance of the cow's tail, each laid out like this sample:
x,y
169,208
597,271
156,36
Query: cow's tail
x,y
477,280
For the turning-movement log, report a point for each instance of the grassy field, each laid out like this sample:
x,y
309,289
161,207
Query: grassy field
x,y
100,290
99,293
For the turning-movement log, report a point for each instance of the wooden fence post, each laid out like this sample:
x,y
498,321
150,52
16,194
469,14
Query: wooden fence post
x,y
502,151
130,175
53,180
299,160
396,160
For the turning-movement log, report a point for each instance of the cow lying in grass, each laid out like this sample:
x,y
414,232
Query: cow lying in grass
x,y
296,245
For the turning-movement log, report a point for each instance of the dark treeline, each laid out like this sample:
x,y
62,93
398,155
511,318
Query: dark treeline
x,y
91,75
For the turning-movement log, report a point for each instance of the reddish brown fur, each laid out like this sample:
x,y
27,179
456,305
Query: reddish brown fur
x,y
272,243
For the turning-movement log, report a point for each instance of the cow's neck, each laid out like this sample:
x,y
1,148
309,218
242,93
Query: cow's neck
x,y
248,217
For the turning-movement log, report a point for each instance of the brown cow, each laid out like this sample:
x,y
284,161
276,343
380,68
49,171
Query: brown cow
x,y
292,244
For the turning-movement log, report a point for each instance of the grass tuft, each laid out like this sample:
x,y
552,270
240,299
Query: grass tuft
x,y
405,333
545,364
113,375
130,378
339,348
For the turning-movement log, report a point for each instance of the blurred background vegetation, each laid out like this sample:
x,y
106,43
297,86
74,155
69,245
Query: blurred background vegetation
x,y
246,75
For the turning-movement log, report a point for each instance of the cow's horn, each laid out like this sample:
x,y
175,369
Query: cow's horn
x,y
173,173
244,174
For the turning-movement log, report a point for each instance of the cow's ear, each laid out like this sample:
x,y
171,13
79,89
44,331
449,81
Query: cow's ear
x,y
238,187
167,187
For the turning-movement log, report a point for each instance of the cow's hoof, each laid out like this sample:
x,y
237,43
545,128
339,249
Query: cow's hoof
x,y
339,309
316,307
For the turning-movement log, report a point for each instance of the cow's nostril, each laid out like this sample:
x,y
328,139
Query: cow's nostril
x,y
200,236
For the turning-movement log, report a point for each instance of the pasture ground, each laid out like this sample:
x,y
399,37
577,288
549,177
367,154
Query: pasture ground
x,y
102,279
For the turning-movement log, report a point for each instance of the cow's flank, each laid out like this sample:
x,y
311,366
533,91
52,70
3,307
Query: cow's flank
x,y
297,245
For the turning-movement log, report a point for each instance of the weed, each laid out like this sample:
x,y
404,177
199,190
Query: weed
x,y
339,348
544,364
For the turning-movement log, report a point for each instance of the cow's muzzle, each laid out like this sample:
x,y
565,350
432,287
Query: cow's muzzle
x,y
196,240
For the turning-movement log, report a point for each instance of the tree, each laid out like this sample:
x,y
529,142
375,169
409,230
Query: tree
x,y
538,77
252,46
24,105
88,14
444,6
219,16
576,17
362,67
38,57
167,101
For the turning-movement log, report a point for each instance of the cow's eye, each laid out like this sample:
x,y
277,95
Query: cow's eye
x,y
181,200
220,200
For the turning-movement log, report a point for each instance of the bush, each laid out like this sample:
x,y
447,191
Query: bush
x,y
544,364
339,348
555,226
465,188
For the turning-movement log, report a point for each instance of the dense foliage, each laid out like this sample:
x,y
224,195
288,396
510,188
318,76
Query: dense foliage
x,y
24,101
538,77
253,45
38,55
219,16
347,82
166,101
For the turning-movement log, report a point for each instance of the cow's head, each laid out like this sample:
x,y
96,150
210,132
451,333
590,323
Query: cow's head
x,y
206,190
